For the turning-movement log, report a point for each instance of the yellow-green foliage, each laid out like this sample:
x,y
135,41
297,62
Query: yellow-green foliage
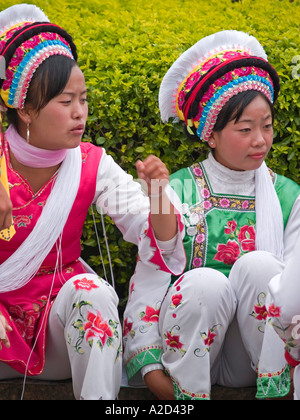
x,y
126,46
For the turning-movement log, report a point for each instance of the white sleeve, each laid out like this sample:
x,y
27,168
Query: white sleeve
x,y
122,198
291,230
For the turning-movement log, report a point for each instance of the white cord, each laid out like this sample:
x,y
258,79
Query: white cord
x,y
98,242
58,248
108,253
107,247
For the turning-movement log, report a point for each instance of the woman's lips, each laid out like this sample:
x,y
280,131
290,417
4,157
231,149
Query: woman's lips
x,y
257,156
78,130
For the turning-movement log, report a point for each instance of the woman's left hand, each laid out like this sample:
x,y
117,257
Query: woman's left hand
x,y
154,172
156,175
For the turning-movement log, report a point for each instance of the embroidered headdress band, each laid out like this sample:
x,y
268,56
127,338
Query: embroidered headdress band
x,y
23,48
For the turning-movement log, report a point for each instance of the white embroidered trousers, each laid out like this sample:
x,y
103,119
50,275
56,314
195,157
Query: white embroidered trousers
x,y
211,327
84,339
285,310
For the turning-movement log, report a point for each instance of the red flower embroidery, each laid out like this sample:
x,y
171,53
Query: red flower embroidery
x,y
260,312
246,238
243,71
127,327
176,300
274,311
96,327
85,284
210,338
22,220
192,80
25,319
229,253
230,228
151,315
173,341
224,79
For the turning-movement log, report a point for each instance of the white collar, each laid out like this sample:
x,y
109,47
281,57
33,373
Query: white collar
x,y
227,175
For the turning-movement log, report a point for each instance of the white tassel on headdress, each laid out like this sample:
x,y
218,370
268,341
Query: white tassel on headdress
x,y
20,13
202,50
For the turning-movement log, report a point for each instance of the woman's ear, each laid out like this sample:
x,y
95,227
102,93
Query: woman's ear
x,y
25,115
212,141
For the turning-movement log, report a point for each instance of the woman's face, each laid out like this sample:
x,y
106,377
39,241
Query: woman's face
x,y
244,145
61,123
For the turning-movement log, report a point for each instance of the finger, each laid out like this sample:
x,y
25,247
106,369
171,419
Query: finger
x,y
7,221
158,174
3,336
140,169
6,342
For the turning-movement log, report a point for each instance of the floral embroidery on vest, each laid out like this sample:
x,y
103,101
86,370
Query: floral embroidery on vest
x,y
241,239
22,221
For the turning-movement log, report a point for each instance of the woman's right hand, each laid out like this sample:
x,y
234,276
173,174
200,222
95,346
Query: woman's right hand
x,y
5,209
160,385
4,328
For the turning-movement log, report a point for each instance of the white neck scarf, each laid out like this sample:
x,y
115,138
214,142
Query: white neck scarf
x,y
24,263
269,218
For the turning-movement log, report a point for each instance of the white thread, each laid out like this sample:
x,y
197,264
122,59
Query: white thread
x,y
107,248
99,246
59,254
108,253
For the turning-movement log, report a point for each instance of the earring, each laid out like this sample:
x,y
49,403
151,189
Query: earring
x,y
27,133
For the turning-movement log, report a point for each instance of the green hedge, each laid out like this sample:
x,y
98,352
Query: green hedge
x,y
125,48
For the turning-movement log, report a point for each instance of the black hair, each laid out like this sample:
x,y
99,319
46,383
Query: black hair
x,y
235,107
233,110
48,81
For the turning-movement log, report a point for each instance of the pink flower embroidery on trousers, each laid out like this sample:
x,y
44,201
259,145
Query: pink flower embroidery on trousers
x,y
96,327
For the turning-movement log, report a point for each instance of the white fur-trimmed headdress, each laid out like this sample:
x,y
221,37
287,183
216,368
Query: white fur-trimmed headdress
x,y
207,75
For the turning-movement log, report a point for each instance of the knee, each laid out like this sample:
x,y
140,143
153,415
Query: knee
x,y
256,268
207,285
91,288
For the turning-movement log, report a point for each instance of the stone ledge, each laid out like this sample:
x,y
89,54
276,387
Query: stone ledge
x,y
62,390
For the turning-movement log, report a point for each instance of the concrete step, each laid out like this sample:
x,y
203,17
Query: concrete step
x,y
62,390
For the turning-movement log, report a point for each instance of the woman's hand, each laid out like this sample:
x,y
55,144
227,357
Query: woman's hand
x,y
160,384
163,218
5,209
155,173
4,328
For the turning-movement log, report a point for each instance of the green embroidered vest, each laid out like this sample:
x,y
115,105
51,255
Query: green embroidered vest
x,y
221,228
